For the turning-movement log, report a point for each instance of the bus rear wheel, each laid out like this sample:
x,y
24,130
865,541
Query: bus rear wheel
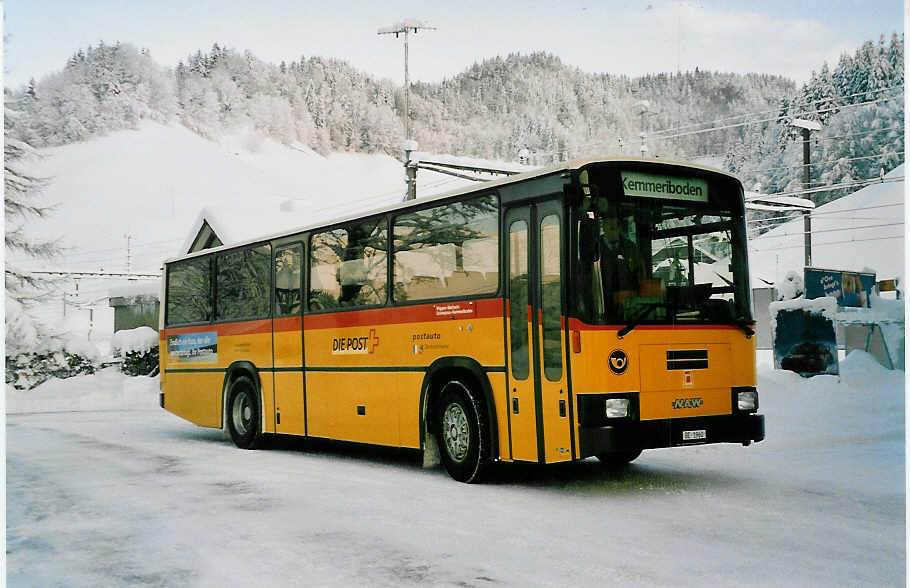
x,y
462,433
243,413
617,459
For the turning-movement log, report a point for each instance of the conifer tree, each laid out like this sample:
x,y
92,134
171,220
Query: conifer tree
x,y
22,205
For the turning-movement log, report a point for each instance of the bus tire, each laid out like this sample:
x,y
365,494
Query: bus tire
x,y
461,424
617,459
243,413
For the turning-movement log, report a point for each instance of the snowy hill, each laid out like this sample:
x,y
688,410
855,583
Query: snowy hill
x,y
862,230
153,183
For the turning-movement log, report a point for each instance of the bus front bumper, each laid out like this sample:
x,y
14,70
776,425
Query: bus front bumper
x,y
651,434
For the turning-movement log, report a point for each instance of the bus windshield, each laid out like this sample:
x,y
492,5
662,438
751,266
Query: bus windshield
x,y
660,260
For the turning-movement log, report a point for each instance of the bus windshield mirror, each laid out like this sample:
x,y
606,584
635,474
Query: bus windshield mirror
x,y
587,240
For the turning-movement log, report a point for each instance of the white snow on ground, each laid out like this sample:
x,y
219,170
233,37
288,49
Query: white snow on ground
x,y
137,496
107,389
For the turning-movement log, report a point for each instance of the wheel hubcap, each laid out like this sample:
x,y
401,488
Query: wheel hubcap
x,y
242,413
456,432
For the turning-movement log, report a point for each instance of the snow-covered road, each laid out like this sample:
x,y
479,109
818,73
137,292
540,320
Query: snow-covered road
x,y
137,496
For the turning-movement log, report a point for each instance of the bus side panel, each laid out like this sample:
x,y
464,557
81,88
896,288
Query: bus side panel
x,y
374,361
408,385
193,381
251,342
354,406
196,397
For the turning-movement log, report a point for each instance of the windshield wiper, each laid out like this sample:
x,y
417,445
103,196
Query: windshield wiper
x,y
746,327
640,317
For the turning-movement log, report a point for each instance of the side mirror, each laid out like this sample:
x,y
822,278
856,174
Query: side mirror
x,y
587,240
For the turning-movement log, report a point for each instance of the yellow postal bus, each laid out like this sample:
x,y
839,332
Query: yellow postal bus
x,y
594,308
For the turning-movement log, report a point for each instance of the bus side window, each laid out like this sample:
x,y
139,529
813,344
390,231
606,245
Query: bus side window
x,y
189,291
288,265
348,266
448,250
243,283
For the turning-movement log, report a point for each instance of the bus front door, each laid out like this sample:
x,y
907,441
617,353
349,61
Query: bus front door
x,y
539,404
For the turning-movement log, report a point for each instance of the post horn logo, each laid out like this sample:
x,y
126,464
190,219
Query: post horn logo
x,y
618,361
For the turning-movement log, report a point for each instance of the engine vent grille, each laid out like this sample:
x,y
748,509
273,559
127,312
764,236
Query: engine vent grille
x,y
687,359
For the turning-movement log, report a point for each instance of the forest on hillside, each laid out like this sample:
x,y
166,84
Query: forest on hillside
x,y
494,109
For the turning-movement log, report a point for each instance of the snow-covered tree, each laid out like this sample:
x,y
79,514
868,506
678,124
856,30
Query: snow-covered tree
x,y
22,204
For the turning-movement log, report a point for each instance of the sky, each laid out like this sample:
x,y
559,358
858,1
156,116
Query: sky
x,y
631,37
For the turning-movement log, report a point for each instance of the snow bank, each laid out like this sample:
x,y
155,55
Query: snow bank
x,y
107,389
826,307
76,345
22,332
138,340
860,366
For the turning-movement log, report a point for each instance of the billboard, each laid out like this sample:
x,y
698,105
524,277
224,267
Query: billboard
x,y
850,288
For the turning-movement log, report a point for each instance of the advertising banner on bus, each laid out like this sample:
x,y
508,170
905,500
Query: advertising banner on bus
x,y
193,347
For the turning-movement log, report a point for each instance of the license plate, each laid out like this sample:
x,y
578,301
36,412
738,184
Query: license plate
x,y
694,435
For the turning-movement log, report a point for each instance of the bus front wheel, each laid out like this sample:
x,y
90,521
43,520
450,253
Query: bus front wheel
x,y
243,413
462,433
616,459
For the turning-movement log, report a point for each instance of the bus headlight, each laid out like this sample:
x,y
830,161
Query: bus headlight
x,y
617,408
747,400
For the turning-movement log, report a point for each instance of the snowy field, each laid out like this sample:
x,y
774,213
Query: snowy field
x,y
106,489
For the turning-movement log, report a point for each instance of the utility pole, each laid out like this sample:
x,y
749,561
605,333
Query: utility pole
x,y
406,27
128,253
643,108
806,126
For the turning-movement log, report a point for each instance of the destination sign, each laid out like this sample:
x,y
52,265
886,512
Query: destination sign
x,y
655,186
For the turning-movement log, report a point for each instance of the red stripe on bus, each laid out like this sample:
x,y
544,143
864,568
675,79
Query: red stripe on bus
x,y
290,323
438,311
577,325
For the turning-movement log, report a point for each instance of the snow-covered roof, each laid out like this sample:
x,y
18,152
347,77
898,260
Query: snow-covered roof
x,y
860,231
136,288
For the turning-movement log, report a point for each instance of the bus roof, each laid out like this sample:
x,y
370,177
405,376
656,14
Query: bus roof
x,y
480,187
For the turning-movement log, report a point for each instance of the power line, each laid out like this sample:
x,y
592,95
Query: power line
x,y
776,118
777,110
832,187
841,229
772,221
99,274
820,163
800,246
881,130
580,148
